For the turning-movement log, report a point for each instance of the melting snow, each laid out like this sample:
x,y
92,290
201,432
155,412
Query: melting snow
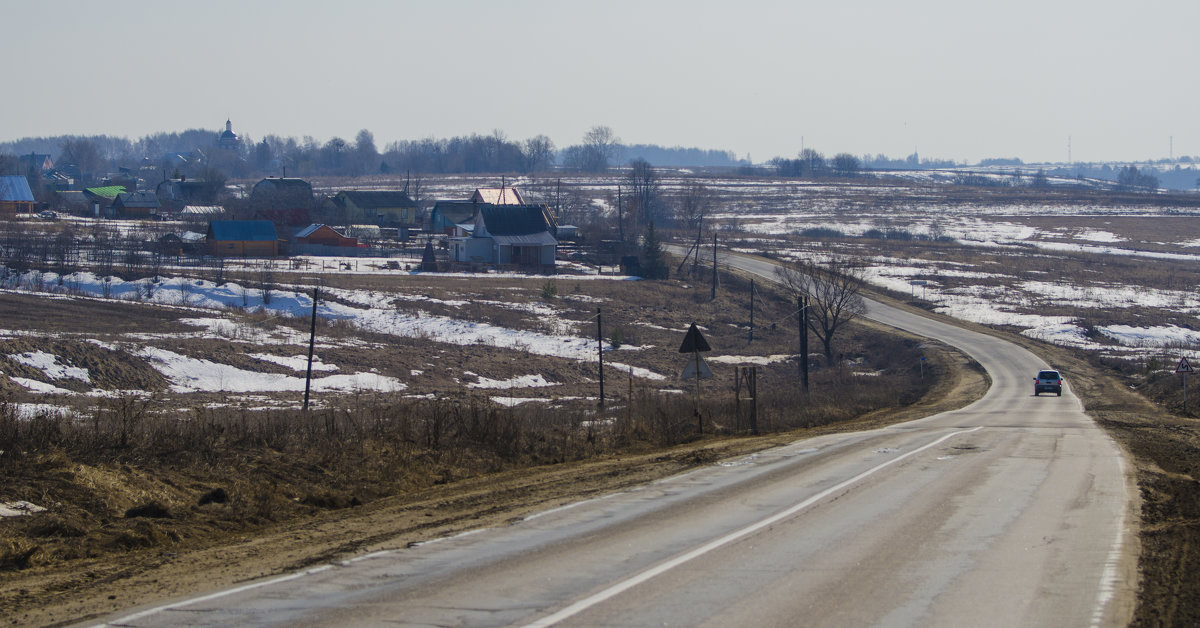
x,y
50,364
194,375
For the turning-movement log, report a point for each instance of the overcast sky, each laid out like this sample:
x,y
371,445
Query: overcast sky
x,y
954,79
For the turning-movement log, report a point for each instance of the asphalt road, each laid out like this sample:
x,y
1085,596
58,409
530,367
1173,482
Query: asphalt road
x,y
1013,511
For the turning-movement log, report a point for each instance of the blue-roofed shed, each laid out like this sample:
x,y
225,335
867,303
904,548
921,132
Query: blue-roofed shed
x,y
242,238
15,195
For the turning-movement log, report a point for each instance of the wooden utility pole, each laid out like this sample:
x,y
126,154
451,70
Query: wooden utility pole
x,y
737,397
751,311
312,342
600,354
753,386
699,417
629,400
715,281
802,303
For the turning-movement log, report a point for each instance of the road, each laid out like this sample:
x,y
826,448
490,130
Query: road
x,y
1013,511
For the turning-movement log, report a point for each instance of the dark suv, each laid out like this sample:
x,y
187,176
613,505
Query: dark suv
x,y
1047,381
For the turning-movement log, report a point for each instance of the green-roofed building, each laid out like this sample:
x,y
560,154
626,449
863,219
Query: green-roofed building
x,y
102,197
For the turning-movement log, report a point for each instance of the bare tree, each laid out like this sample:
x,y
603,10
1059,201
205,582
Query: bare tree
x,y
834,292
366,156
846,165
813,162
85,154
694,202
539,153
598,151
644,191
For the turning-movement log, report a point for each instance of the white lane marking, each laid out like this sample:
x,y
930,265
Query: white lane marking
x,y
662,568
212,596
1111,577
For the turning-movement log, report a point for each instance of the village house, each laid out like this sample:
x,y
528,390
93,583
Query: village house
x,y
35,163
509,235
242,238
277,191
324,235
184,191
101,198
386,208
135,205
448,217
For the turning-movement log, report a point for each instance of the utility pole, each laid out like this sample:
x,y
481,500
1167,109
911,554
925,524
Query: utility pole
x,y
751,311
715,281
802,303
754,400
600,354
312,341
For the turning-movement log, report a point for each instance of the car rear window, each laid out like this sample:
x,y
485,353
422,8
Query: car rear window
x,y
1048,375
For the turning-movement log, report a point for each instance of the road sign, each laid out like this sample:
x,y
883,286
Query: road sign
x,y
694,366
1184,367
694,341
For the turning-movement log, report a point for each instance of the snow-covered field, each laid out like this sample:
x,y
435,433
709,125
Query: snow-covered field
x,y
369,311
975,277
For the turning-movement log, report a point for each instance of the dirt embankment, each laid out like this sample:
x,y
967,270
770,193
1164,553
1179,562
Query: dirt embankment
x,y
145,557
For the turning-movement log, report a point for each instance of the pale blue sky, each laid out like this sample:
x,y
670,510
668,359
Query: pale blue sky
x,y
953,79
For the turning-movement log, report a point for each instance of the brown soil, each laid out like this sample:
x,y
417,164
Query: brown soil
x,y
135,560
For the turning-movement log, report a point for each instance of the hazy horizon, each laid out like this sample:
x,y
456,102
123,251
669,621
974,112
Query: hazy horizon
x,y
760,79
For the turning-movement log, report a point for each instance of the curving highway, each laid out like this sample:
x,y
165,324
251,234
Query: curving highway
x,y
1013,511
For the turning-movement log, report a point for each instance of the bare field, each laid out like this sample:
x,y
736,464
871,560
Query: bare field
x,y
149,496
1103,284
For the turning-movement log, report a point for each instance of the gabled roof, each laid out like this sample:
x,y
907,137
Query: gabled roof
x,y
309,230
514,220
15,188
498,196
108,192
137,199
280,183
315,227
202,210
35,159
242,230
375,199
455,211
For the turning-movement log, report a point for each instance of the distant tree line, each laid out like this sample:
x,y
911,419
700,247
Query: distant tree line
x,y
194,153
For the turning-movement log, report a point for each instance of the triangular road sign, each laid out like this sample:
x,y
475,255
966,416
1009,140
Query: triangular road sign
x,y
694,341
689,371
1184,366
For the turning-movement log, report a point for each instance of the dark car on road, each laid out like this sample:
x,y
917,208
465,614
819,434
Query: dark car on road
x,y
1047,381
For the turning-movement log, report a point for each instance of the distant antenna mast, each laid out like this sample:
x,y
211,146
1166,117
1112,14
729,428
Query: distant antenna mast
x,y
1172,148
1069,150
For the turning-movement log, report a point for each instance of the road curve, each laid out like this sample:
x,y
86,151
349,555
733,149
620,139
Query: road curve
x,y
1013,511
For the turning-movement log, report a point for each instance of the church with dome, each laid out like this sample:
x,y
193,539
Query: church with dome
x,y
229,140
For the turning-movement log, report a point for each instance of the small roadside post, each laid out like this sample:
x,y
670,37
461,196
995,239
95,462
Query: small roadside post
x,y
918,282
694,343
1183,369
600,353
312,340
